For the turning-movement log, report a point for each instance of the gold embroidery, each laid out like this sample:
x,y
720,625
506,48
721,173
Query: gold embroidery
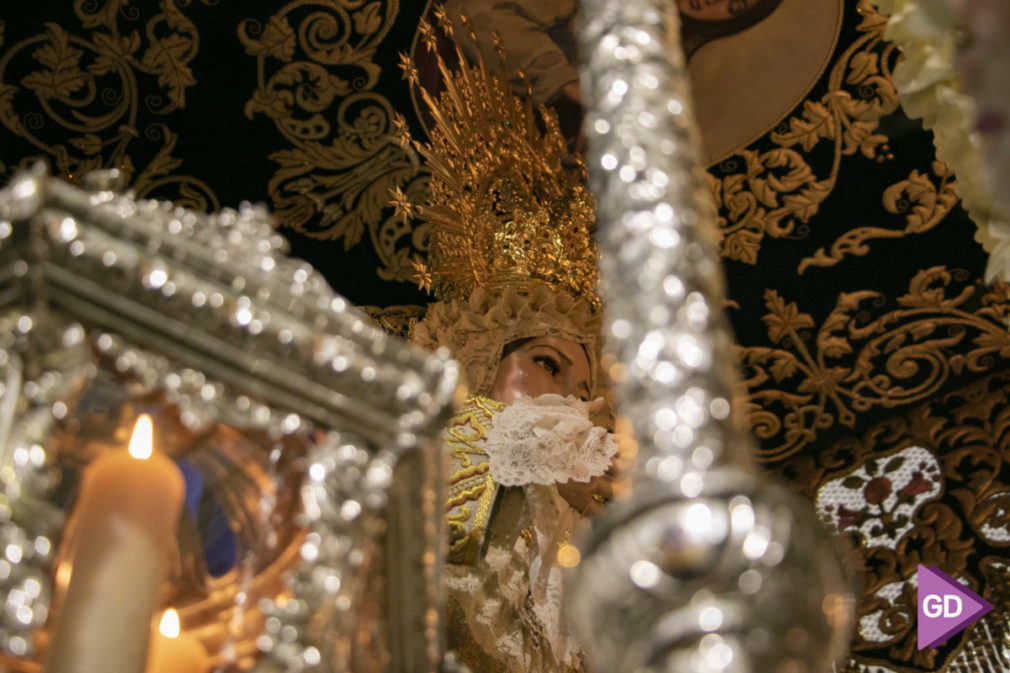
x,y
316,81
926,205
87,89
964,530
470,480
776,192
466,473
397,320
853,363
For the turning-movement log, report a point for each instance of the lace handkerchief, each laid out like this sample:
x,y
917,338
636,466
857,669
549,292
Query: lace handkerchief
x,y
547,440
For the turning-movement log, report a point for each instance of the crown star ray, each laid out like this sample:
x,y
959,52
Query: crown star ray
x,y
506,201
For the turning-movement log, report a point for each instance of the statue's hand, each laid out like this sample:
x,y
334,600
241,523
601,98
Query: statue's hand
x,y
588,497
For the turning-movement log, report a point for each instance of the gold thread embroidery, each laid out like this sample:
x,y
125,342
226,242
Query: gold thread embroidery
x,y
806,383
78,124
926,205
317,82
470,479
777,192
963,530
397,320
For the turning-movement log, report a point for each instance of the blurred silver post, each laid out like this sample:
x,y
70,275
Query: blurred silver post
x,y
705,568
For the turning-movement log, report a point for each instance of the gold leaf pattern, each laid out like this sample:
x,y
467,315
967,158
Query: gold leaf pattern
x,y
277,40
854,363
925,203
316,83
80,101
62,76
778,191
369,19
168,57
113,51
784,319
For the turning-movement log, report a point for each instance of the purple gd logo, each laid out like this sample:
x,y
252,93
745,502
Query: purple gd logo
x,y
946,607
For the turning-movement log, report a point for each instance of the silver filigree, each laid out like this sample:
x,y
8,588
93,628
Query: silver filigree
x,y
123,304
706,568
30,403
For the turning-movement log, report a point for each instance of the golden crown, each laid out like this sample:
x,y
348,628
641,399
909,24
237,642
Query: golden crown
x,y
506,202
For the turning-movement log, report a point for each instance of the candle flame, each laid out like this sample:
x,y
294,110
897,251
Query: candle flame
x,y
142,440
169,626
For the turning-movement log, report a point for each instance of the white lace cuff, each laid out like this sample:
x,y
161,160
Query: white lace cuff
x,y
546,440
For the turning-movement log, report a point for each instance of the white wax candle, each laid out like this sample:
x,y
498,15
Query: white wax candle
x,y
127,511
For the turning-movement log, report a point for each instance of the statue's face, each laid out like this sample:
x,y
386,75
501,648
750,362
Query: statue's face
x,y
542,365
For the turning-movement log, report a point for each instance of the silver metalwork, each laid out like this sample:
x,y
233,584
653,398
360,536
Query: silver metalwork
x,y
706,568
29,522
107,302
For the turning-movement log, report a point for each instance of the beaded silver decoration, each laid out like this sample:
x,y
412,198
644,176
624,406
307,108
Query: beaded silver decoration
x,y
705,568
30,402
327,428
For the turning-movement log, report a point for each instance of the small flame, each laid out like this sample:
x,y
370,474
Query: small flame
x,y
142,440
169,626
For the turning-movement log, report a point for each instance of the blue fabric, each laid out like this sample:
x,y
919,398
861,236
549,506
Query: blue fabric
x,y
220,550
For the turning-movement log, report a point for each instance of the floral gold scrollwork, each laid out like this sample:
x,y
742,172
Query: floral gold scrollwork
x,y
395,320
317,84
777,192
924,203
928,487
809,381
87,91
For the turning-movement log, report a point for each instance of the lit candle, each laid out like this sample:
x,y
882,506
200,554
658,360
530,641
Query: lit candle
x,y
172,651
127,510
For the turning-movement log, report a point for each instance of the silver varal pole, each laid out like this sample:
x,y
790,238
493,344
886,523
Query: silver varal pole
x,y
706,568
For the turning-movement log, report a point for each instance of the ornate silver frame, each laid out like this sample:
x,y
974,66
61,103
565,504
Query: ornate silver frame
x,y
210,313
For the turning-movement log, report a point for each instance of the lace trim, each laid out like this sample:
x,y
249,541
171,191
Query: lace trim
x,y
554,524
476,331
547,440
511,601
